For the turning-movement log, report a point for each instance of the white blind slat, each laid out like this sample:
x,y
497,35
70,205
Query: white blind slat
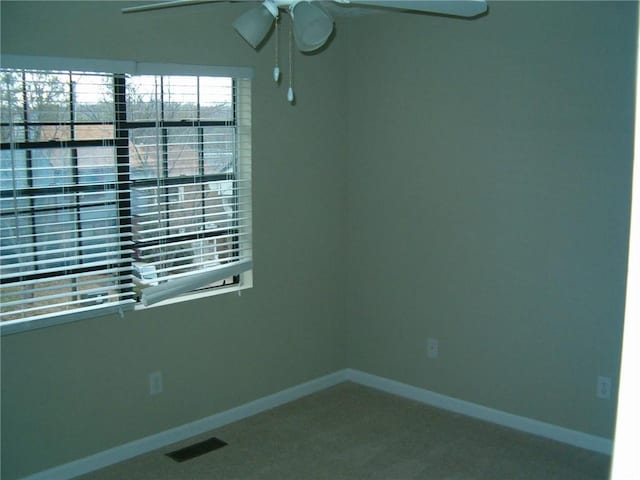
x,y
63,251
168,290
221,240
53,272
119,273
197,261
90,295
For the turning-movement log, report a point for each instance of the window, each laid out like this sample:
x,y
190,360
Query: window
x,y
120,188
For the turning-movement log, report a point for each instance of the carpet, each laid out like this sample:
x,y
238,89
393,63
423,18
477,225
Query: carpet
x,y
354,432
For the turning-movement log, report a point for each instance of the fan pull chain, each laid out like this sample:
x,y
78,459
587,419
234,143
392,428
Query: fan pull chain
x,y
276,68
290,95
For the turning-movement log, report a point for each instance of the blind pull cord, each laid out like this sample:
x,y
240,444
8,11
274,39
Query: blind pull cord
x,y
290,95
12,143
276,68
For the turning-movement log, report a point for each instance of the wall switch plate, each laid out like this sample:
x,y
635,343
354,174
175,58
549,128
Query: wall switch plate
x,y
155,383
603,389
432,348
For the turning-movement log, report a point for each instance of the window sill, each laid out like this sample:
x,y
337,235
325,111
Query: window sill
x,y
9,328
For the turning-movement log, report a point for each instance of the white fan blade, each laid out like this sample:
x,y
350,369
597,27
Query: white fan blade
x,y
170,4
459,8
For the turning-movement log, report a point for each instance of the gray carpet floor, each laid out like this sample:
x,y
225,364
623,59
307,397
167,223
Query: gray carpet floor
x,y
353,432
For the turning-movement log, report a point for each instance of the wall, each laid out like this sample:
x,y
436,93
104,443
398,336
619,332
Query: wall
x,y
486,194
73,390
488,203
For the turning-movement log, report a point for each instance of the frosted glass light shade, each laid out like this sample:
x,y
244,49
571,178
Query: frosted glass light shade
x,y
311,26
254,25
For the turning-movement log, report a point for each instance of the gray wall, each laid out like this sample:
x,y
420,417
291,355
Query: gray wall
x,y
77,389
478,173
488,195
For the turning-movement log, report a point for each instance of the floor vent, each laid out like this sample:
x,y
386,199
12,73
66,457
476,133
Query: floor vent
x,y
197,449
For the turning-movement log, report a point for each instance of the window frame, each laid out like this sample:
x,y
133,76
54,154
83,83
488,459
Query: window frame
x,y
120,142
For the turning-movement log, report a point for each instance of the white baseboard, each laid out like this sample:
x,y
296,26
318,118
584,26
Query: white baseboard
x,y
524,424
183,432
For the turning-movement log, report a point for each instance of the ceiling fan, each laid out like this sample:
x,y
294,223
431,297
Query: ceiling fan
x,y
311,24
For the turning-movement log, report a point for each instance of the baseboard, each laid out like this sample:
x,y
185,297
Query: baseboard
x,y
524,424
183,432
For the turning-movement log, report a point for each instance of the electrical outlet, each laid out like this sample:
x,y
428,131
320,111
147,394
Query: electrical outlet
x,y
432,348
155,383
603,389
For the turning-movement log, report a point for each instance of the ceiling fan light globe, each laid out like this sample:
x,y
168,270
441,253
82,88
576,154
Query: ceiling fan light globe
x,y
254,25
312,26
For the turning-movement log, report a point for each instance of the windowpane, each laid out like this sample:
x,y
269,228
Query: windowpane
x,y
184,225
13,167
97,289
15,229
51,166
12,99
142,92
11,107
10,134
144,201
58,295
96,164
144,151
36,296
185,212
50,133
47,105
93,99
99,229
219,144
56,235
93,132
180,98
98,224
51,211
83,211
216,98
182,152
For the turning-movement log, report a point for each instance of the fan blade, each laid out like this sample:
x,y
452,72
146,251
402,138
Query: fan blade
x,y
459,8
170,4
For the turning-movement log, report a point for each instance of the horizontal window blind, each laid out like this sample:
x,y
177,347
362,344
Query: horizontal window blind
x,y
113,184
191,189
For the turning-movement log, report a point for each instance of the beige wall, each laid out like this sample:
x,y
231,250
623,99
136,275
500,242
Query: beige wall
x,y
77,389
488,194
482,192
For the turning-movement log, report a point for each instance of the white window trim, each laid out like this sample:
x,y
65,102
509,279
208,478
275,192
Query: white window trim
x,y
122,66
139,68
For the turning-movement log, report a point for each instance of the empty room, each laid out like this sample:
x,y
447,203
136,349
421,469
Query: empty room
x,y
314,240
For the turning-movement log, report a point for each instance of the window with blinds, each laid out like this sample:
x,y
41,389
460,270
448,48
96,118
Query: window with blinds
x,y
119,188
